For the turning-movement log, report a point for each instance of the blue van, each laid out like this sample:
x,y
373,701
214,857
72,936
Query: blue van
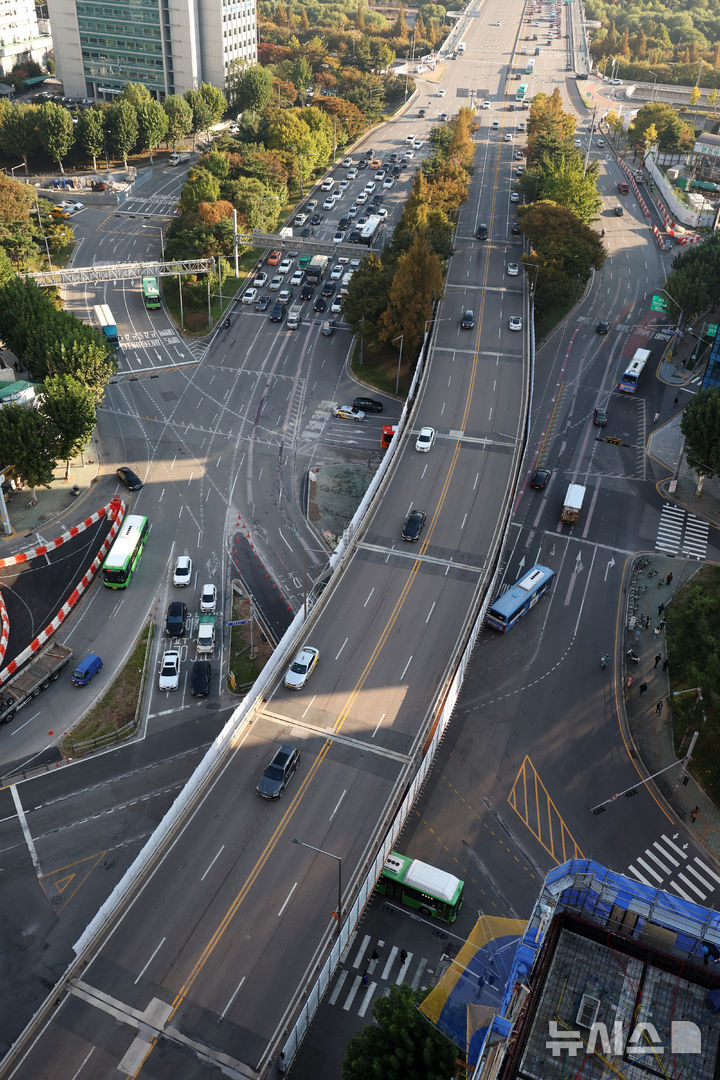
x,y
86,670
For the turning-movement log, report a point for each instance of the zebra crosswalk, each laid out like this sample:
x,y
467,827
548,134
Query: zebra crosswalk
x,y
369,972
681,533
666,865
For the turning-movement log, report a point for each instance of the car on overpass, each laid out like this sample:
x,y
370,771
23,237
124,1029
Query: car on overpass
x,y
279,772
413,526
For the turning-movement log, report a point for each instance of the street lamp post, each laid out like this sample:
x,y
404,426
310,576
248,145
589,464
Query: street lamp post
x,y
401,339
158,228
652,92
338,860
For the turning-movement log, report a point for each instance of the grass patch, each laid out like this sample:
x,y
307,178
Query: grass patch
x,y
244,666
115,709
693,635
379,370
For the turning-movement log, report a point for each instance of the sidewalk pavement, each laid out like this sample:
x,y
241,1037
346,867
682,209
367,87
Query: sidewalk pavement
x,y
57,508
650,729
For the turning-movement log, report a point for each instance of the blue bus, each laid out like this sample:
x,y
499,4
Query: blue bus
x,y
633,373
519,598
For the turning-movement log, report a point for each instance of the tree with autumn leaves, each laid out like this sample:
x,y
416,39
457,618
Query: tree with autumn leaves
x,y
391,297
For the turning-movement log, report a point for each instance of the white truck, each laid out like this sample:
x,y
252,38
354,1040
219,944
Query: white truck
x,y
178,157
530,67
206,634
294,316
573,504
34,677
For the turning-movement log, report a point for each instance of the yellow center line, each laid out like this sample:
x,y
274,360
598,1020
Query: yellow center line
x,y
352,697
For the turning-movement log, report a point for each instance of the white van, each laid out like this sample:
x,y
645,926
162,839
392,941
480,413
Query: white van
x,y
496,125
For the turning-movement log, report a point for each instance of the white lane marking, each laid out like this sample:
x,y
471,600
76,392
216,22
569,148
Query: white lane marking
x,y
337,804
368,596
406,667
288,898
375,729
150,960
76,1074
288,546
353,991
232,997
639,876
25,828
649,869
213,863
692,886
679,850
308,706
341,648
429,614
707,869
666,853
338,986
15,730
361,951
651,855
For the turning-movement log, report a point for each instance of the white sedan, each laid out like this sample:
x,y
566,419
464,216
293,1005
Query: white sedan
x,y
301,668
336,273
513,269
297,278
169,678
284,266
425,440
514,323
183,571
249,296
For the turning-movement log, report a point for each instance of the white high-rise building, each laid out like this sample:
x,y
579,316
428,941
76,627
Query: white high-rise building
x,y
22,37
169,45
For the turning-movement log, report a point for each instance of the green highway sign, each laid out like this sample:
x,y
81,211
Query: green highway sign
x,y
659,303
711,330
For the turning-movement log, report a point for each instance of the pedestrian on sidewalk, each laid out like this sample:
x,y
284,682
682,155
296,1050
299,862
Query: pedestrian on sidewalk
x,y
669,578
666,664
643,687
658,658
659,707
694,814
629,681
656,631
661,608
675,402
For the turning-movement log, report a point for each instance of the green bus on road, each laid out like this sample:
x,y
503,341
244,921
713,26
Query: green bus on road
x,y
421,886
151,292
124,555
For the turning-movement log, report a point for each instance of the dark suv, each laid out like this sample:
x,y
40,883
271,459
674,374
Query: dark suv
x,y
367,404
482,232
278,773
200,678
176,619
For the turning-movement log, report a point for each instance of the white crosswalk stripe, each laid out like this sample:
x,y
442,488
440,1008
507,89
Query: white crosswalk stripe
x,y
681,533
669,534
695,540
387,969
684,875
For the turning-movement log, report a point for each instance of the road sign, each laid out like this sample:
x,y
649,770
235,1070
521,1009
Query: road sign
x,y
659,303
711,330
238,622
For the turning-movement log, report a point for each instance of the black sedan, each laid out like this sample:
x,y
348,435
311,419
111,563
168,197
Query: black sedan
x,y
130,479
200,678
316,219
367,404
262,303
602,327
320,303
540,479
279,772
413,526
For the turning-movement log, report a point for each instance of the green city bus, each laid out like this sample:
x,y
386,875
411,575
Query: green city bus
x,y
521,91
421,886
124,555
151,292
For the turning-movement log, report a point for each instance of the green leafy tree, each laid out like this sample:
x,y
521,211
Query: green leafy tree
x,y
135,94
56,131
700,425
90,132
301,74
202,114
249,88
121,129
26,442
217,163
400,1044
59,234
565,251
416,284
7,270
18,134
70,408
562,179
215,100
152,123
180,118
367,298
672,132
200,186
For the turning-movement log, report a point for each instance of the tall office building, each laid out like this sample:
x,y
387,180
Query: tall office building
x,y
22,37
169,45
